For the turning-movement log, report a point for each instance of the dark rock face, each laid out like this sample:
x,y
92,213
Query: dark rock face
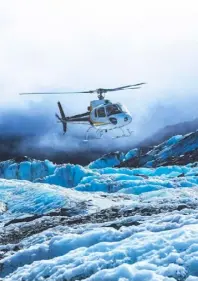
x,y
188,157
107,159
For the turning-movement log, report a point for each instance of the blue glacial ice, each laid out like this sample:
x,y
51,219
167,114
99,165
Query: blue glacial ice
x,y
156,241
161,247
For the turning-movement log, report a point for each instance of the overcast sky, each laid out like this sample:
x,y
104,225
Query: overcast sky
x,y
80,45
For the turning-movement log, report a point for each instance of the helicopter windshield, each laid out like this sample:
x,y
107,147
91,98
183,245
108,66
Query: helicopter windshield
x,y
123,108
113,109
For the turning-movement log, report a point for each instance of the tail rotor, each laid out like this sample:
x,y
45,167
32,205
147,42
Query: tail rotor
x,y
63,118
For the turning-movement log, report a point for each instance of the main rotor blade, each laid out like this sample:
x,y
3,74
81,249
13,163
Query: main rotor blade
x,y
123,87
134,86
58,93
138,84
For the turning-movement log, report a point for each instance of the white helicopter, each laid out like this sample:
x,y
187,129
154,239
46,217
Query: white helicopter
x,y
102,114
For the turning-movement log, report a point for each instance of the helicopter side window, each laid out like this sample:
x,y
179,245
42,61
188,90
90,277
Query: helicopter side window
x,y
95,113
113,109
101,112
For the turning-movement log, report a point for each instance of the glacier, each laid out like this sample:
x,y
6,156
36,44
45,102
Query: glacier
x,y
101,222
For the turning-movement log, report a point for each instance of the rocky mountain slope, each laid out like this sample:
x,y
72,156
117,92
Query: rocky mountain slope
x,y
179,150
167,132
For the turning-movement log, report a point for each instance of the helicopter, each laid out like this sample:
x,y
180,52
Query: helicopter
x,y
102,115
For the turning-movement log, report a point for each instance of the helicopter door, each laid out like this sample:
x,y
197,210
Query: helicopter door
x,y
101,112
101,115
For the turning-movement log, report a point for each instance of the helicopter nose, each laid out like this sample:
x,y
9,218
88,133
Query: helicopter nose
x,y
127,119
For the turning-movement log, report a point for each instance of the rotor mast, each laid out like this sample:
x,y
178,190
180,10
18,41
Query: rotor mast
x,y
100,94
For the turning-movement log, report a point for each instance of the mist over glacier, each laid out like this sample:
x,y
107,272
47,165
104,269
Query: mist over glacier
x,y
34,131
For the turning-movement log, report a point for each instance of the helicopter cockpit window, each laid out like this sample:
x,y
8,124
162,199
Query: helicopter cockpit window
x,y
101,112
123,108
113,109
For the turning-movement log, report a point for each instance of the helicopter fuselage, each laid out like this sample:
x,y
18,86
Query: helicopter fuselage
x,y
101,114
110,116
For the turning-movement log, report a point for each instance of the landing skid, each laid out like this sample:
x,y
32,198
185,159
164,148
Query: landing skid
x,y
100,133
124,134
